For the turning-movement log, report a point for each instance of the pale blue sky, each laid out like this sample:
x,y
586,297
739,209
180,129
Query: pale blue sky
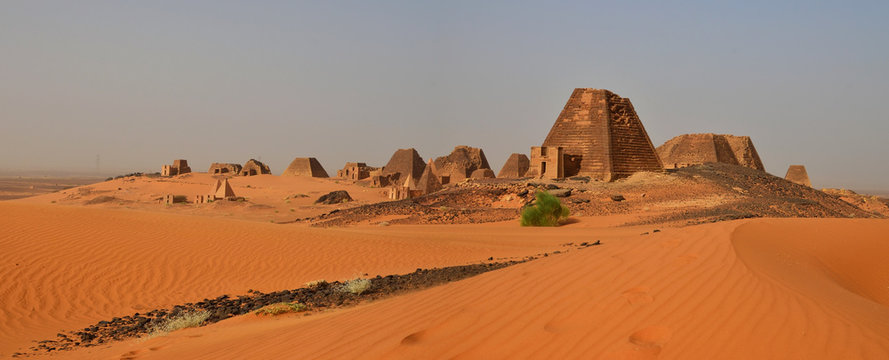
x,y
144,82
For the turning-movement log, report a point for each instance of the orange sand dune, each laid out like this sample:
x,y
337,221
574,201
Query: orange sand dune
x,y
65,267
781,289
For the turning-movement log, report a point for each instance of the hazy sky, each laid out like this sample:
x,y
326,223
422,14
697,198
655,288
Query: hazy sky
x,y
141,83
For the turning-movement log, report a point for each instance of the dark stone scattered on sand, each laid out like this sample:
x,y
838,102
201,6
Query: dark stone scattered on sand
x,y
334,197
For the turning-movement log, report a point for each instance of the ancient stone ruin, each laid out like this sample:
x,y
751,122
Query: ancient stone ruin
x,y
515,167
224,169
797,174
403,163
599,135
355,171
254,167
305,167
460,164
221,190
411,187
170,199
428,182
696,149
179,167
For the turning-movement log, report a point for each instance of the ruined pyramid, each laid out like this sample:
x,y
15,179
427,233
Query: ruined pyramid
x,y
695,149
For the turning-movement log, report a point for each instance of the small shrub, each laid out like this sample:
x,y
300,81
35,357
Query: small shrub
x,y
281,308
356,286
183,320
547,211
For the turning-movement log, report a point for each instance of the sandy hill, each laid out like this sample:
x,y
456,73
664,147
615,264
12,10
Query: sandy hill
x,y
744,289
664,281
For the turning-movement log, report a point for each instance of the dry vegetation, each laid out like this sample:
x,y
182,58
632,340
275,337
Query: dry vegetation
x,y
182,321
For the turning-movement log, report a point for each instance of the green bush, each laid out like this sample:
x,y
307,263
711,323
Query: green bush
x,y
547,211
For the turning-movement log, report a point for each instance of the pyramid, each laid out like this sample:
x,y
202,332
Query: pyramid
x,y
461,163
597,134
305,167
222,190
797,174
515,167
695,149
428,182
405,162
745,152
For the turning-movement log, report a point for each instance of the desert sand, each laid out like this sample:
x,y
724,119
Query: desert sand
x,y
67,267
753,288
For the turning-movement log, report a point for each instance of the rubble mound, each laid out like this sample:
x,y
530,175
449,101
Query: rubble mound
x,y
334,197
461,163
224,169
482,174
696,149
254,167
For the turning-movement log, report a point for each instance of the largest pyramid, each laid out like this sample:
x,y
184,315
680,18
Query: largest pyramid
x,y
599,135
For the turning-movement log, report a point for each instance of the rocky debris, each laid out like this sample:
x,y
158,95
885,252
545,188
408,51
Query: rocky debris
x,y
317,297
870,203
334,197
617,198
560,192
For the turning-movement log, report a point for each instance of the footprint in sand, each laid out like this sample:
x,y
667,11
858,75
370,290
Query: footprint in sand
x,y
638,296
130,355
413,338
652,336
644,344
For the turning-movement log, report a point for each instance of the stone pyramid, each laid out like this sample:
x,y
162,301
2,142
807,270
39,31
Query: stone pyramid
x,y
797,174
405,162
428,182
515,167
305,167
222,190
601,137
